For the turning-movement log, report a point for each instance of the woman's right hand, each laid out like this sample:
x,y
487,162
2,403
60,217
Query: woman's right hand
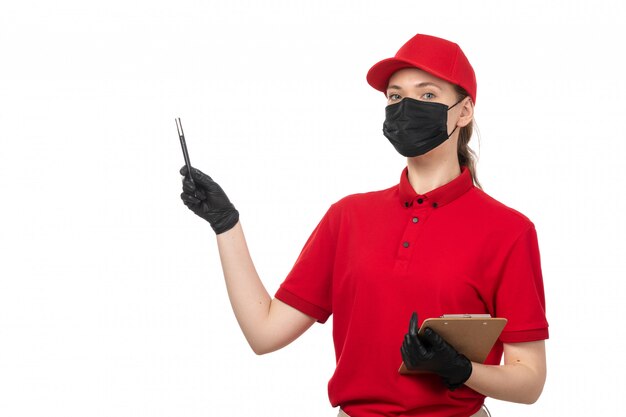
x,y
206,198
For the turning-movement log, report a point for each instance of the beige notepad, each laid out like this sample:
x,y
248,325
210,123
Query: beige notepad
x,y
471,335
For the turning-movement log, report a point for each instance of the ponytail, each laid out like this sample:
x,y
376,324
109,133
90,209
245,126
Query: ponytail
x,y
467,156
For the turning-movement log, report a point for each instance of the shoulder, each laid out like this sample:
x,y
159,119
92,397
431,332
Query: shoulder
x,y
492,213
366,205
367,200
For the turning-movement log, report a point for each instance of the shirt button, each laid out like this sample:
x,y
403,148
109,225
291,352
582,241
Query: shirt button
x,y
415,220
405,244
435,205
420,201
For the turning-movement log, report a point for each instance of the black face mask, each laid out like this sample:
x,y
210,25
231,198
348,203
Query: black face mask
x,y
415,127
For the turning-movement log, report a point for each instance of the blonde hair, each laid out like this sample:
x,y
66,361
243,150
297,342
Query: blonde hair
x,y
467,156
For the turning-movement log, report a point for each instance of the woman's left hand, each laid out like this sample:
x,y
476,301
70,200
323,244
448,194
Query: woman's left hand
x,y
430,352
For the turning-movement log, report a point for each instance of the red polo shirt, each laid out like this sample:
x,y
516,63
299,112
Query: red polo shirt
x,y
376,257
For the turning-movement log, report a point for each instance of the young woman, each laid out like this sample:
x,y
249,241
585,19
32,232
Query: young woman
x,y
382,262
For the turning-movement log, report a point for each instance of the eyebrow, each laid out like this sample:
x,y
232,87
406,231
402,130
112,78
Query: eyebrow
x,y
420,85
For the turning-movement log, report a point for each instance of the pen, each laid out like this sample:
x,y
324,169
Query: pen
x,y
183,144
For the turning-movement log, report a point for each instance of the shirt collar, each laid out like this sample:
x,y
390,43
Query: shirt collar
x,y
438,197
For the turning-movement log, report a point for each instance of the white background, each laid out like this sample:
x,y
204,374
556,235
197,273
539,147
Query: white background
x,y
112,301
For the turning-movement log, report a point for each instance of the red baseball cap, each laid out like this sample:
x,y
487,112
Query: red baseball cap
x,y
439,57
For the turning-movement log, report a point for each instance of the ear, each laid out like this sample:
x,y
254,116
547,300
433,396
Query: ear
x,y
467,112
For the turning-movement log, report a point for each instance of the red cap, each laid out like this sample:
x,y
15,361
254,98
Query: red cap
x,y
439,57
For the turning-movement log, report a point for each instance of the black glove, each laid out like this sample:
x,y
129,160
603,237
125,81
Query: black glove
x,y
430,352
206,198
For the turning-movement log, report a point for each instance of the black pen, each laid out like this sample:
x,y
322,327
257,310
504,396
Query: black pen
x,y
183,144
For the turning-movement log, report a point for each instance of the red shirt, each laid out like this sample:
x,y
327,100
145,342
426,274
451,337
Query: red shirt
x,y
376,257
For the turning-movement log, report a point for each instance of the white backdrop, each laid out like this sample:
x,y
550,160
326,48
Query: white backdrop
x,y
112,301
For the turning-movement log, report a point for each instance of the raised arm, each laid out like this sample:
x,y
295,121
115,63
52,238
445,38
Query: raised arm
x,y
268,324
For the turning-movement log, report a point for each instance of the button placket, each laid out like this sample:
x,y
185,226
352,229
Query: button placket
x,y
416,214
409,245
418,211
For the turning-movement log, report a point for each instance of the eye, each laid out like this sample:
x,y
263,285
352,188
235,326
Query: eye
x,y
428,96
393,97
